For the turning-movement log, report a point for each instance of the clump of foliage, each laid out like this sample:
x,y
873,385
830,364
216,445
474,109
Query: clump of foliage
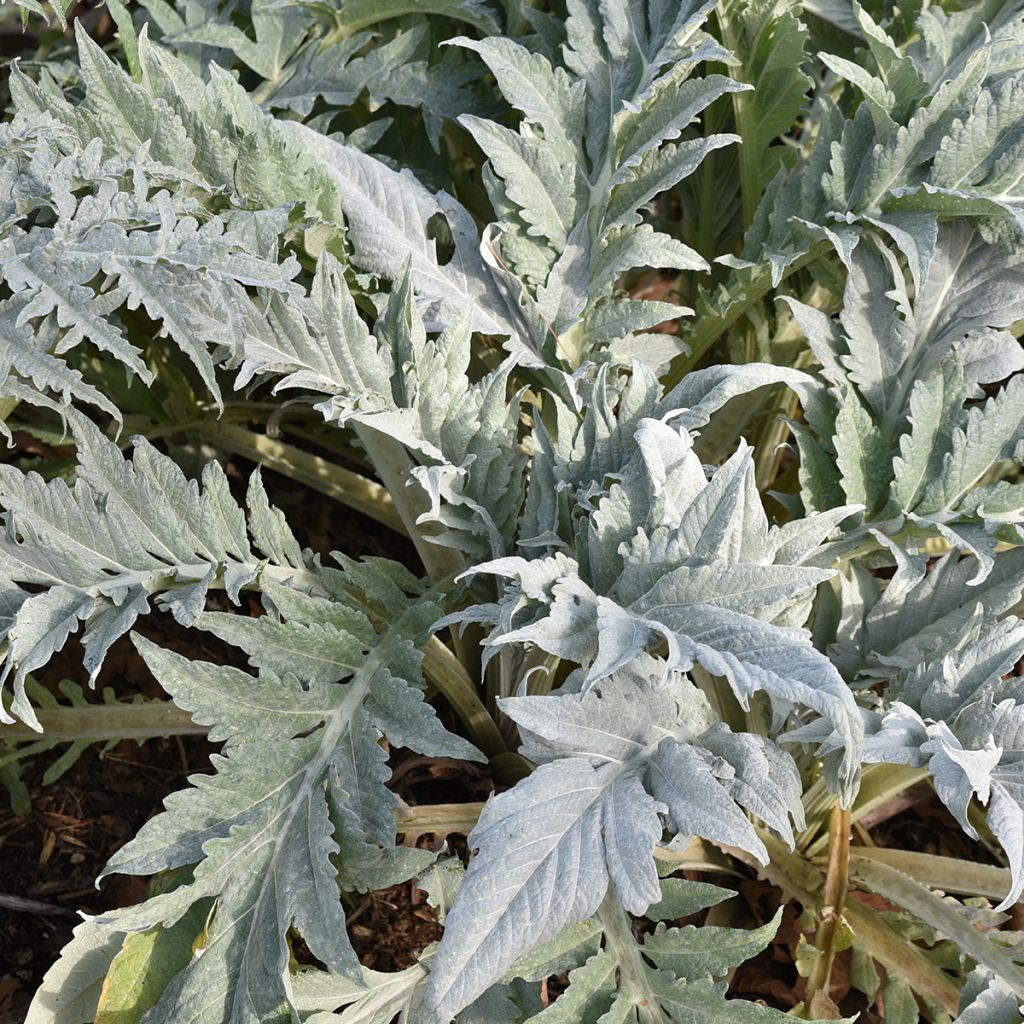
x,y
705,581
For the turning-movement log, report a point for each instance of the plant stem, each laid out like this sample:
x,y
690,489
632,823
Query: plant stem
x,y
622,944
352,489
509,768
837,879
445,671
7,407
768,447
750,157
100,722
392,464
879,782
801,880
710,176
439,819
721,698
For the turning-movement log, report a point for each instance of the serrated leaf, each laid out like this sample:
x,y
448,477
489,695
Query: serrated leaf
x,y
317,653
128,530
988,1000
696,952
586,811
681,897
557,816
272,806
374,999
387,213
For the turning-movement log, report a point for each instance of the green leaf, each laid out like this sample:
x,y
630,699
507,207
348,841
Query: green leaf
x,y
316,652
145,965
127,530
863,457
694,952
987,1000
357,14
900,1005
940,915
769,41
580,828
374,998
681,897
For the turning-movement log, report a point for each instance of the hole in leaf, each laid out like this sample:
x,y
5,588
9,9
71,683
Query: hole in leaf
x,y
440,233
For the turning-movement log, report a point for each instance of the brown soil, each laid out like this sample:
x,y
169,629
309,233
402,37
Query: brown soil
x,y
54,854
